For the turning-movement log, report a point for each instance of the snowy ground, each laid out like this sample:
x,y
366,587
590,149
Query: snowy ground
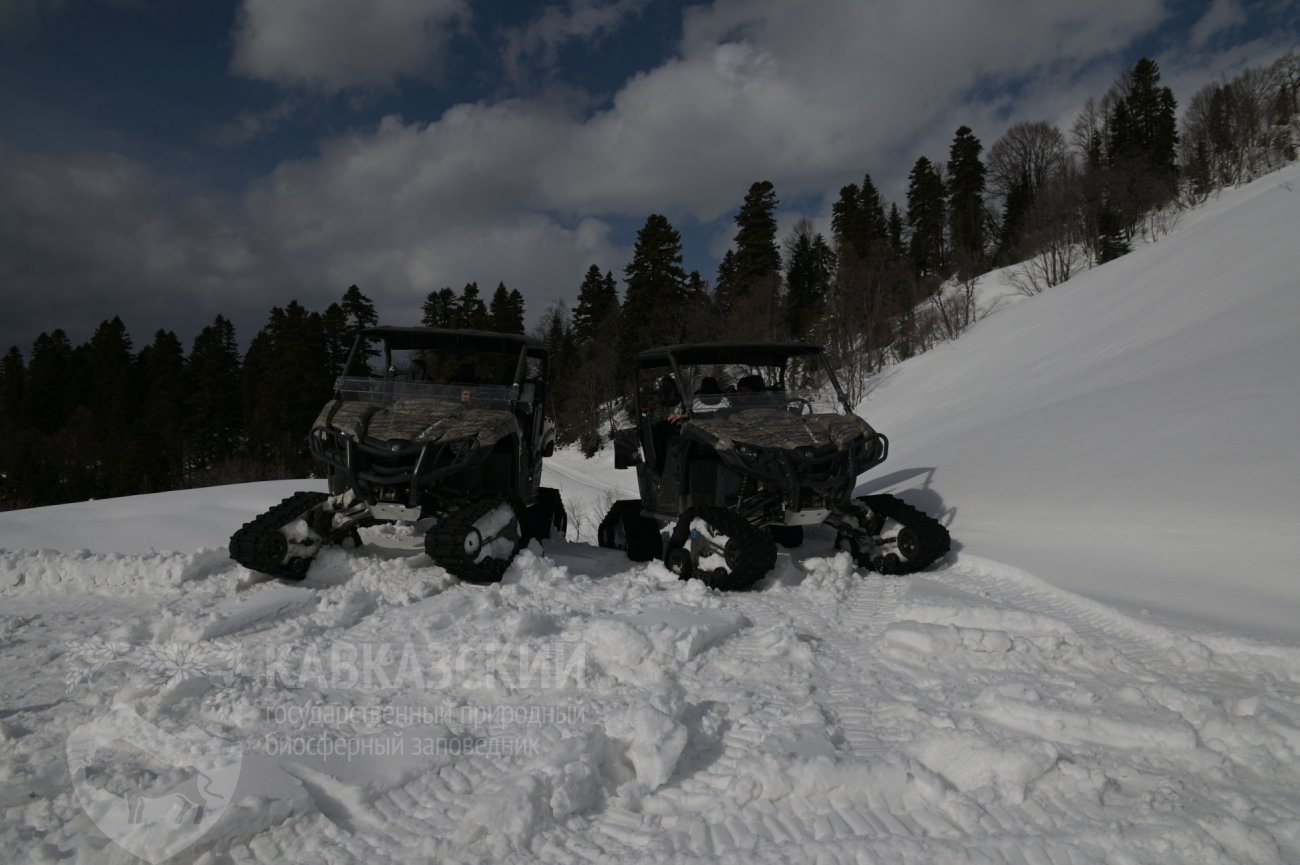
x,y
1107,670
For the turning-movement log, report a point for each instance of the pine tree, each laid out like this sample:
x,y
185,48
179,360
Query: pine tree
x,y
847,222
1015,217
926,218
51,469
727,287
653,311
105,433
1144,135
471,311
439,309
506,314
966,201
858,221
212,402
13,378
158,444
757,256
809,268
894,233
52,388
338,337
597,304
14,455
359,309
286,381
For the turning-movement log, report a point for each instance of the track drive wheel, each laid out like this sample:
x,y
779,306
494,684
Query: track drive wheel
x,y
478,540
720,548
281,541
892,537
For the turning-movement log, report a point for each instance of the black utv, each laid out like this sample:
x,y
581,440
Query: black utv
x,y
739,446
442,428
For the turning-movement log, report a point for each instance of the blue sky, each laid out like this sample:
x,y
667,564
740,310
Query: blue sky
x,y
167,161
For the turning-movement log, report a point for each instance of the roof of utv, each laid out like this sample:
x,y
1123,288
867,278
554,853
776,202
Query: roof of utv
x,y
452,339
754,353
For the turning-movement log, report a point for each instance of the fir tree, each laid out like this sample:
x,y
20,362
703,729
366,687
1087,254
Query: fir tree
x,y
858,221
13,378
359,309
926,218
439,309
597,304
338,337
653,311
158,443
212,401
286,381
894,233
727,287
506,314
966,201
471,311
1015,218
757,256
810,262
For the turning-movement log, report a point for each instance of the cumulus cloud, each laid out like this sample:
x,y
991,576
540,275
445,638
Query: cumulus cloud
x,y
529,190
336,45
89,236
1223,15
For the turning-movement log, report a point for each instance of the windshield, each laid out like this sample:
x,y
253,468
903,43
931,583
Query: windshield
x,y
390,392
733,387
376,358
799,401
384,373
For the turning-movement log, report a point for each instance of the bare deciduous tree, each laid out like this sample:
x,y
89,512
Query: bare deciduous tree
x,y
1026,152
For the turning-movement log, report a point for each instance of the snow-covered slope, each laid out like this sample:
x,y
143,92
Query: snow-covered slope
x,y
1133,434
1126,436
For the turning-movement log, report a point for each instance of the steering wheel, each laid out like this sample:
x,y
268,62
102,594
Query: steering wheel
x,y
798,405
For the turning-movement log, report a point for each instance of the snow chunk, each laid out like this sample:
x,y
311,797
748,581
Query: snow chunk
x,y
684,632
971,762
654,742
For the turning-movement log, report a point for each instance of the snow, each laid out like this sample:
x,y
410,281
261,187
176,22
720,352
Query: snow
x,y
1106,669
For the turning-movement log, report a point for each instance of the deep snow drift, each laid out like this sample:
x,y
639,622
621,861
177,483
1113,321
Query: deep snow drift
x,y
1128,436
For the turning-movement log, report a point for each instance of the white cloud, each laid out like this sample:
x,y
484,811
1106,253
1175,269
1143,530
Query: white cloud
x,y
335,45
526,190
1223,15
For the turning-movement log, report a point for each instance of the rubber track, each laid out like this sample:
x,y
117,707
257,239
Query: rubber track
x,y
757,549
244,543
445,544
931,536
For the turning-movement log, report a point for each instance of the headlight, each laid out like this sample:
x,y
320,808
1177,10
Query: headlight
x,y
747,453
460,448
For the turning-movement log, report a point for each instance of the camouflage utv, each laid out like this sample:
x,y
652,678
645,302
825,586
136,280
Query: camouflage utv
x,y
445,429
738,459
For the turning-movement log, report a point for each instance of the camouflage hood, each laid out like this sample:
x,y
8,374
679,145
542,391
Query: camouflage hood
x,y
778,428
416,419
